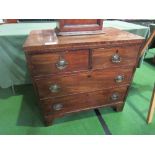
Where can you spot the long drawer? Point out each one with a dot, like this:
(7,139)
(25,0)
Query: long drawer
(59,62)
(62,85)
(114,57)
(73,103)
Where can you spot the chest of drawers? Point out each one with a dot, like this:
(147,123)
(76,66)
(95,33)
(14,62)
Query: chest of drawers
(81,72)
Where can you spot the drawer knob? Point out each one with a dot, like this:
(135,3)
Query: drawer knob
(57,107)
(115,96)
(54,88)
(119,78)
(116,58)
(61,64)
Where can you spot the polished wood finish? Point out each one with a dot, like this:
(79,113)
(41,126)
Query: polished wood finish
(82,82)
(8,21)
(77,102)
(74,73)
(152,107)
(38,39)
(81,25)
(102,57)
(46,63)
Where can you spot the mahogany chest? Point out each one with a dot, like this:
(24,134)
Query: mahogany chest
(75,73)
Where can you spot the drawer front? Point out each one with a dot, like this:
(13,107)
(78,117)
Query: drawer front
(63,85)
(73,103)
(52,63)
(113,57)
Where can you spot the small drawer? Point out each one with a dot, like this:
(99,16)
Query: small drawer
(112,57)
(60,62)
(82,82)
(74,103)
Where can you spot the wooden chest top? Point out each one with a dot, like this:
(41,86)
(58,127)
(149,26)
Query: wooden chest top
(47,40)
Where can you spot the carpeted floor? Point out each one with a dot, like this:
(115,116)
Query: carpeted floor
(133,118)
(20,115)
